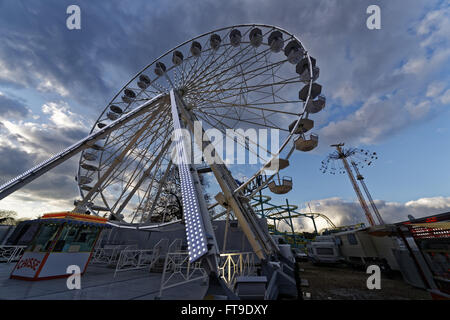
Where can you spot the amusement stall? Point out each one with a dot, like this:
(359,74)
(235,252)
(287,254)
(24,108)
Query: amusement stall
(62,239)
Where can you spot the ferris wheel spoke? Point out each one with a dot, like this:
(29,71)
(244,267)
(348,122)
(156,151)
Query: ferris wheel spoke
(158,192)
(210,99)
(228,50)
(126,166)
(222,67)
(226,133)
(120,171)
(193,75)
(102,167)
(250,122)
(245,145)
(145,150)
(114,138)
(254,88)
(116,147)
(207,105)
(157,162)
(224,70)
(240,52)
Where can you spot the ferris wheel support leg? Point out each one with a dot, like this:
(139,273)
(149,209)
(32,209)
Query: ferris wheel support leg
(261,242)
(199,231)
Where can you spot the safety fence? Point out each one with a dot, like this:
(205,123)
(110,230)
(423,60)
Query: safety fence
(178,271)
(9,254)
(142,258)
(235,264)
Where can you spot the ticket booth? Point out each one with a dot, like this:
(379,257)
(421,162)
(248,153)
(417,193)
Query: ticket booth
(62,239)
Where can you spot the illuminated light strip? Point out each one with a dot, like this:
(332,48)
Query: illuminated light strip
(195,230)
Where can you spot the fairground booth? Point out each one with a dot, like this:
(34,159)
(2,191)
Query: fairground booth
(62,239)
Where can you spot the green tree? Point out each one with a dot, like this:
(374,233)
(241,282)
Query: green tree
(7,217)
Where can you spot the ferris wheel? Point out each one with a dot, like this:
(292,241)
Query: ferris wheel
(244,76)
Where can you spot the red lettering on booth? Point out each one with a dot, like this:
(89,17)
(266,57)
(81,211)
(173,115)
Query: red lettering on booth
(31,263)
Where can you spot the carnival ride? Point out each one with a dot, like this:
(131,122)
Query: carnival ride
(357,157)
(251,75)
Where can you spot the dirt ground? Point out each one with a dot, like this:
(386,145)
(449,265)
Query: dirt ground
(344,283)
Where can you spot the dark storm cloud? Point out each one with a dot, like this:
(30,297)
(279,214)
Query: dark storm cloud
(13,160)
(117,39)
(11,108)
(58,183)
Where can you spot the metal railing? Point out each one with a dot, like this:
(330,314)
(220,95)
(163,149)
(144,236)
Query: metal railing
(133,259)
(136,259)
(110,254)
(178,271)
(175,246)
(11,253)
(235,264)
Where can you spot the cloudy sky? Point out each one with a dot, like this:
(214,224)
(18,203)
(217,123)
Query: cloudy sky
(388,90)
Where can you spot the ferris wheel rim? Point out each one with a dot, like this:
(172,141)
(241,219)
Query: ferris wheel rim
(186,42)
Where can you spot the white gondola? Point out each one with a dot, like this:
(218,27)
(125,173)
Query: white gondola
(317,105)
(282,187)
(116,109)
(160,68)
(276,41)
(294,52)
(97,147)
(235,37)
(304,126)
(112,115)
(256,37)
(177,58)
(302,69)
(144,78)
(144,81)
(86,188)
(88,167)
(303,144)
(277,164)
(84,180)
(306,77)
(100,208)
(128,96)
(142,85)
(316,89)
(90,155)
(303,65)
(196,49)
(214,41)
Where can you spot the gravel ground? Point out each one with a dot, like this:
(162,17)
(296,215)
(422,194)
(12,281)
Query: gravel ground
(344,283)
